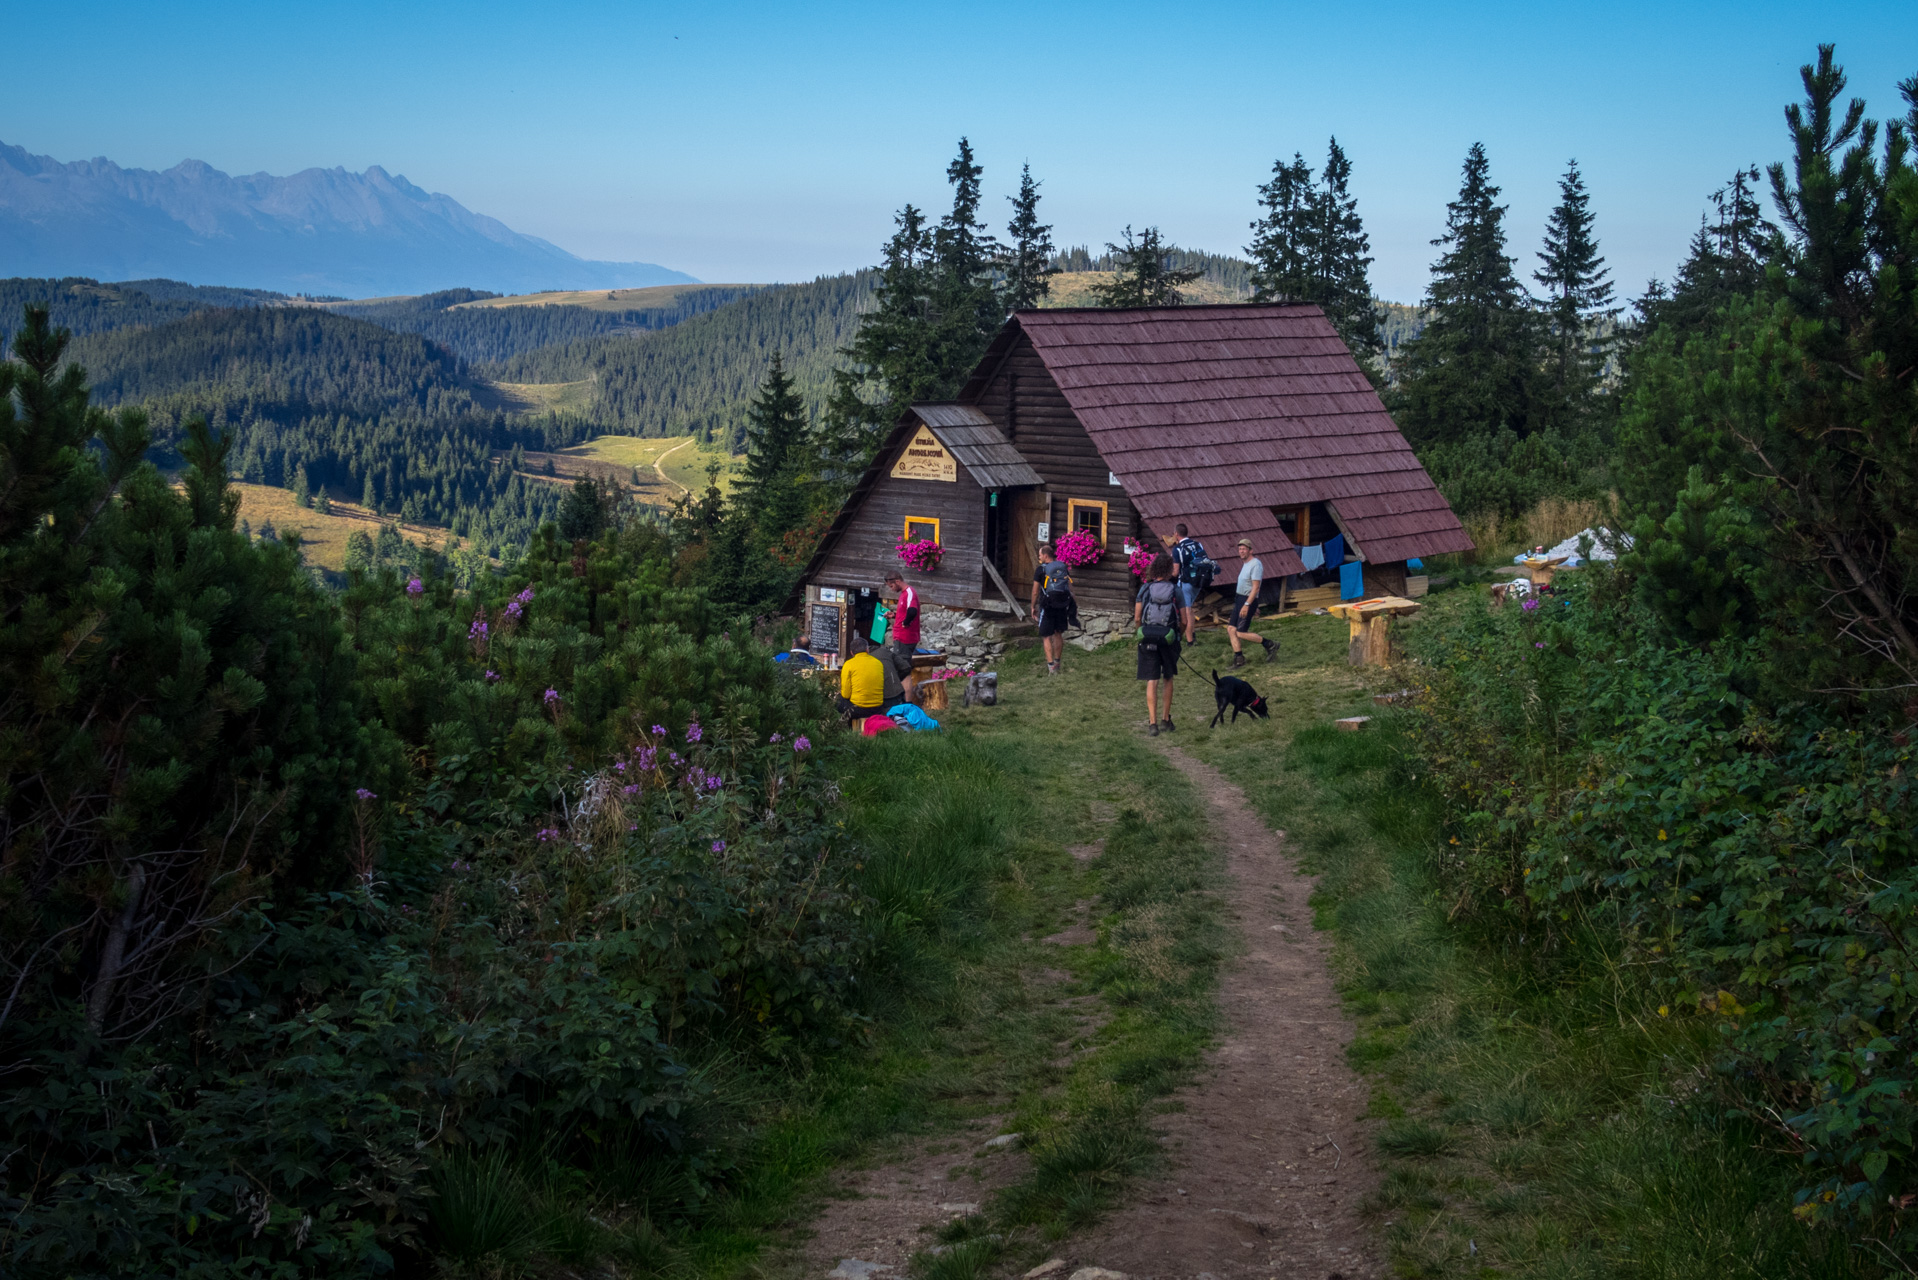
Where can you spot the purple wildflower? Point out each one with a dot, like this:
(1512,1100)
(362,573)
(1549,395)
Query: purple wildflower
(659,731)
(714,782)
(694,733)
(631,790)
(619,766)
(648,758)
(548,833)
(514,609)
(492,675)
(802,743)
(1538,644)
(774,738)
(364,794)
(415,587)
(524,598)
(461,866)
(673,756)
(1529,604)
(477,630)
(552,696)
(719,846)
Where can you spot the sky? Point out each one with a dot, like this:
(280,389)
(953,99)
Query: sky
(774,142)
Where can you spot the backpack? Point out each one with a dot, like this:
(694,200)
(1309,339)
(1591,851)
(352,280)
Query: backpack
(1159,619)
(1056,592)
(1195,566)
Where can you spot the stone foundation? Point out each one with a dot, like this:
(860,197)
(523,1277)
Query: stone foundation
(978,638)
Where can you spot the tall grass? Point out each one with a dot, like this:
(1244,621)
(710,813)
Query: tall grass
(1499,538)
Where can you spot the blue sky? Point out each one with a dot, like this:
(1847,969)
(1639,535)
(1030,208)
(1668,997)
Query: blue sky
(763,142)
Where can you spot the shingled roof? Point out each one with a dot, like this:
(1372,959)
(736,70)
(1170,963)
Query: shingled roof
(1214,415)
(979,446)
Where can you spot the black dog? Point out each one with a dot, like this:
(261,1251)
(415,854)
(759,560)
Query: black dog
(1239,696)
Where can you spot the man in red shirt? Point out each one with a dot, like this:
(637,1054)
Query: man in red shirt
(902,638)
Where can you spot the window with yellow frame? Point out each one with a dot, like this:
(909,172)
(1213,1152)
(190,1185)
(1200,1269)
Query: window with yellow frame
(1082,513)
(921,529)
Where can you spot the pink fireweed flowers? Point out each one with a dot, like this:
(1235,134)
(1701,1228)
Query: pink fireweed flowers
(492,675)
(694,733)
(552,696)
(415,588)
(719,846)
(1529,605)
(547,834)
(802,743)
(478,630)
(363,794)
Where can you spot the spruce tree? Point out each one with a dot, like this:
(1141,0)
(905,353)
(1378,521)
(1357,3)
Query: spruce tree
(1145,276)
(1028,260)
(1578,296)
(1343,285)
(1470,371)
(1726,260)
(938,308)
(774,491)
(1283,248)
(1311,246)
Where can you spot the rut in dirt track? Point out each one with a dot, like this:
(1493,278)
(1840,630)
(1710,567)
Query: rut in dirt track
(1268,1162)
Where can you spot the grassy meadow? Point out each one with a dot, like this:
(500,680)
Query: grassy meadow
(1074,289)
(661,470)
(323,537)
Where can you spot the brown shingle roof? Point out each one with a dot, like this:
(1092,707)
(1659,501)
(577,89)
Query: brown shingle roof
(979,445)
(1215,415)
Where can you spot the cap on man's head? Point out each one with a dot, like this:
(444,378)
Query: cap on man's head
(1245,542)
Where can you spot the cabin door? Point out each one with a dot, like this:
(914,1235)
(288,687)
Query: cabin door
(1030,508)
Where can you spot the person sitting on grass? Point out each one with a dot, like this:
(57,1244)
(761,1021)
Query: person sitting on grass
(1161,615)
(867,686)
(1245,606)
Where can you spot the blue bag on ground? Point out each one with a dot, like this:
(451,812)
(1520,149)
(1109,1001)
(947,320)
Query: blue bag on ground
(911,717)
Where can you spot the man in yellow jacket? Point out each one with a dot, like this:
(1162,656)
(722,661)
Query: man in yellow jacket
(867,686)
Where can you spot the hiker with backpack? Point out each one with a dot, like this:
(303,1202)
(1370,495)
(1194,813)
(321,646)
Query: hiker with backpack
(1162,617)
(1194,566)
(1053,605)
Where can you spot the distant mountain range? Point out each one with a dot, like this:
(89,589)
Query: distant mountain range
(319,231)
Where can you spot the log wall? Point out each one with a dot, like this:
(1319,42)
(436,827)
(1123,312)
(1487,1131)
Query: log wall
(867,549)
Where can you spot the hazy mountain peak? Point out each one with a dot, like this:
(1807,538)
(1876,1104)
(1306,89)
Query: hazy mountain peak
(328,231)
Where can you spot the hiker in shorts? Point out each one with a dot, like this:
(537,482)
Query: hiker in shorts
(1162,617)
(1052,605)
(902,636)
(1193,566)
(1245,606)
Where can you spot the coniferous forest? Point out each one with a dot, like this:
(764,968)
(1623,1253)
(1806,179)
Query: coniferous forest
(324,902)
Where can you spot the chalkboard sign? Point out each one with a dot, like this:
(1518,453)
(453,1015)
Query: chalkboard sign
(824,636)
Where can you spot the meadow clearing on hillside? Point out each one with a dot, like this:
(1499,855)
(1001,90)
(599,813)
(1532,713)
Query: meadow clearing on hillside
(543,397)
(323,537)
(1074,289)
(659,295)
(661,469)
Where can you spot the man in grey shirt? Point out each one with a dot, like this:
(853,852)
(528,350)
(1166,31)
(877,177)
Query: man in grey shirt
(1245,606)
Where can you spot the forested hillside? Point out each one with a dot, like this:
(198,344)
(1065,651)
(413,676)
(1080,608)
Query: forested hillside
(491,334)
(697,377)
(314,400)
(83,306)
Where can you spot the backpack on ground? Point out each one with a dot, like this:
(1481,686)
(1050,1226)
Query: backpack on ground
(1159,618)
(1056,591)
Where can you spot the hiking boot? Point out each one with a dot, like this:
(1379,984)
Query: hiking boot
(1238,660)
(1271,650)
(1152,731)
(1052,668)
(1167,724)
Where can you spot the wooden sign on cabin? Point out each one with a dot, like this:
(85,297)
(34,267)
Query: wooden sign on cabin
(924,458)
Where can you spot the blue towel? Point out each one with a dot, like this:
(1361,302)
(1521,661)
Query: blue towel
(1312,556)
(1335,549)
(1352,580)
(908,716)
(1415,564)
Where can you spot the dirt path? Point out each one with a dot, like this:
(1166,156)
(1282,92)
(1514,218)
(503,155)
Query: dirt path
(1268,1163)
(659,465)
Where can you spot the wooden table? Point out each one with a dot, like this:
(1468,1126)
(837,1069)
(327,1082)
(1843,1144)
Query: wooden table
(1540,570)
(1370,620)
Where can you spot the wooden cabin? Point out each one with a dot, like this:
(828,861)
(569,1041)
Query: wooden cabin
(1246,420)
